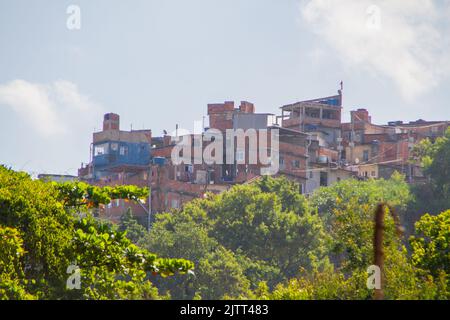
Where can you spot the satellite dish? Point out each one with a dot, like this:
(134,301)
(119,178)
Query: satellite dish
(357,160)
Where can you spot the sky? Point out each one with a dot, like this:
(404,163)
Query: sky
(158,63)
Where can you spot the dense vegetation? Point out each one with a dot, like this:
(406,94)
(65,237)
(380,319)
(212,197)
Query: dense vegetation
(45,228)
(257,241)
(267,241)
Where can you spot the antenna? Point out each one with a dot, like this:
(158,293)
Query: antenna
(340,92)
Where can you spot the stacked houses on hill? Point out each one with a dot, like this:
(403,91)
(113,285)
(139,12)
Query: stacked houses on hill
(314,147)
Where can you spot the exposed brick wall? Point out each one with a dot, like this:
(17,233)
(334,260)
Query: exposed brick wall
(360,115)
(247,107)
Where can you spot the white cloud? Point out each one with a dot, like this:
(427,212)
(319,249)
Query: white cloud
(49,109)
(405,41)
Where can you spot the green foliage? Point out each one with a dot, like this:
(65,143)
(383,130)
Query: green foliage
(114,268)
(439,168)
(257,271)
(253,221)
(348,210)
(434,195)
(259,241)
(11,268)
(263,240)
(220,274)
(431,245)
(12,250)
(394,192)
(32,207)
(182,234)
(423,153)
(287,191)
(134,230)
(40,238)
(75,194)
(266,241)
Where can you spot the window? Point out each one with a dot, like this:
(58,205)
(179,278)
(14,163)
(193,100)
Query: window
(101,149)
(366,155)
(123,151)
(296,164)
(114,146)
(373,174)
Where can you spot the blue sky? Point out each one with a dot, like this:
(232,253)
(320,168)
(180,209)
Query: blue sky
(158,63)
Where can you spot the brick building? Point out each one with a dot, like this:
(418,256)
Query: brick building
(376,151)
(314,148)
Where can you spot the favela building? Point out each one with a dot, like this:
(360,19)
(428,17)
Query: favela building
(314,147)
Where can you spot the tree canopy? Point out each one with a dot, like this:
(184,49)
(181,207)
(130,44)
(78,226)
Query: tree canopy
(262,240)
(42,234)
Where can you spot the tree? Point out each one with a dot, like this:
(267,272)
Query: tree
(431,245)
(134,230)
(12,284)
(220,274)
(287,191)
(114,268)
(40,222)
(253,221)
(264,237)
(182,233)
(348,208)
(434,195)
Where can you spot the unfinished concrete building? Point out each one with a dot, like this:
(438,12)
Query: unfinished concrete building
(321,117)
